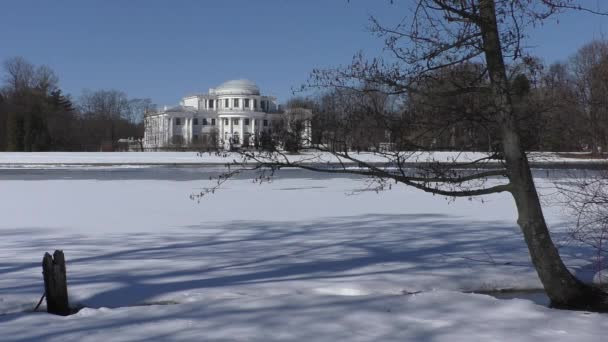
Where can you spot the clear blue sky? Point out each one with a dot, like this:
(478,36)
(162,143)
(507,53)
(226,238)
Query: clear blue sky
(167,49)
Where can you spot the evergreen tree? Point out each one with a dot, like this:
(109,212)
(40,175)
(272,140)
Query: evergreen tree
(60,102)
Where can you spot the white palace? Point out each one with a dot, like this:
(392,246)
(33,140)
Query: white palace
(234,114)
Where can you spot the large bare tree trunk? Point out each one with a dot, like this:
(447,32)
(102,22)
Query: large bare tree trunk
(561,286)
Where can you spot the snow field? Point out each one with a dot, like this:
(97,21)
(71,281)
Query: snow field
(301,258)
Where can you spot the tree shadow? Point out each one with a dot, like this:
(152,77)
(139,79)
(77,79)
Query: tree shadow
(241,254)
(224,264)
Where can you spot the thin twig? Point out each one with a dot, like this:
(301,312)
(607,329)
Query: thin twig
(40,301)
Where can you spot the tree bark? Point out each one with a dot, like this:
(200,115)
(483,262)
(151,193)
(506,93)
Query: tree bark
(55,283)
(561,286)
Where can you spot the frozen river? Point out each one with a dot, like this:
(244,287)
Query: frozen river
(260,261)
(192,173)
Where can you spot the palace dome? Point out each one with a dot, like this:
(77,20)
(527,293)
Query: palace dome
(237,87)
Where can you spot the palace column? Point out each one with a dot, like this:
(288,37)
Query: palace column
(162,129)
(253,135)
(242,133)
(171,122)
(189,130)
(231,128)
(221,129)
(184,130)
(165,127)
(224,129)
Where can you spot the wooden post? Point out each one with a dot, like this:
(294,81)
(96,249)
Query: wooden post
(55,283)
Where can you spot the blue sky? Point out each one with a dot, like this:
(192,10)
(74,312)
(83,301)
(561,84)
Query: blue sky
(167,49)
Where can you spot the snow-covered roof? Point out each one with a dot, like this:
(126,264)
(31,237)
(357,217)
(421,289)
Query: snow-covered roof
(179,109)
(237,87)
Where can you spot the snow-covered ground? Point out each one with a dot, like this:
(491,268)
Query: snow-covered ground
(58,159)
(301,258)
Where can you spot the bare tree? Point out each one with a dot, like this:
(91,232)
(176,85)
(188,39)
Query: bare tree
(21,75)
(565,125)
(36,116)
(109,112)
(590,68)
(29,92)
(356,119)
(586,199)
(296,124)
(443,117)
(45,80)
(442,34)
(137,108)
(109,104)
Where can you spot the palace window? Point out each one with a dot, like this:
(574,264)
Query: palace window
(236,103)
(246,122)
(210,103)
(195,121)
(178,121)
(246,103)
(204,121)
(226,123)
(195,138)
(255,103)
(226,103)
(235,121)
(265,123)
(212,122)
(263,105)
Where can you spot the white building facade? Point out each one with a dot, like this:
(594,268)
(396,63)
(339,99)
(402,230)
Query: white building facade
(233,115)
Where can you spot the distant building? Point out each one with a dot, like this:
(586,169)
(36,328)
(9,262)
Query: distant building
(129,145)
(233,115)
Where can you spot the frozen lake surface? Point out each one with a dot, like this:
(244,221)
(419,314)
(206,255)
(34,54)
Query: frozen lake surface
(306,257)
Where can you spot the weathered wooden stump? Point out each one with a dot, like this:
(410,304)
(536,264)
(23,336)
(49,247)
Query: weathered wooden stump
(55,283)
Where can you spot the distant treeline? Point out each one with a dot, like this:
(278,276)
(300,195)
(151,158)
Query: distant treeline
(35,115)
(561,107)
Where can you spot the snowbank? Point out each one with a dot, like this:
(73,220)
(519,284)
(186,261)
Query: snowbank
(435,316)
